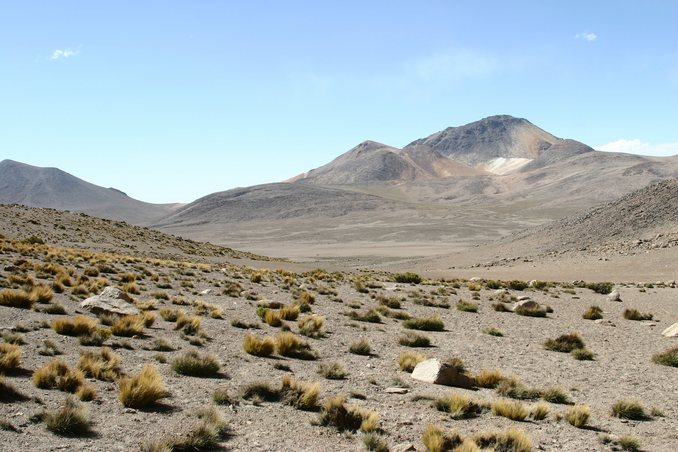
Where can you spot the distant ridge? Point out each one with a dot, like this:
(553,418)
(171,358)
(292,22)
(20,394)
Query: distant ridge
(51,187)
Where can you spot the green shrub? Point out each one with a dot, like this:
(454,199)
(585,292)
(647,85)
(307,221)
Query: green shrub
(407,278)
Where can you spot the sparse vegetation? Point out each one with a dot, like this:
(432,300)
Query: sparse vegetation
(412,339)
(488,378)
(311,325)
(564,343)
(512,440)
(258,346)
(408,360)
(582,354)
(143,389)
(407,278)
(290,345)
(71,419)
(435,440)
(467,306)
(128,326)
(667,358)
(344,417)
(634,314)
(303,396)
(424,324)
(79,325)
(493,331)
(360,347)
(539,411)
(9,357)
(332,371)
(555,395)
(593,313)
(15,299)
(511,409)
(458,405)
(531,311)
(578,415)
(629,409)
(103,365)
(195,364)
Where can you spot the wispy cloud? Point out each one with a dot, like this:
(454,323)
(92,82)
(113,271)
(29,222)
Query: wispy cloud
(638,147)
(586,36)
(63,53)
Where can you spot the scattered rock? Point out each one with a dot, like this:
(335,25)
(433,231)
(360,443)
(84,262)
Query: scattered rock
(501,292)
(614,296)
(434,371)
(605,322)
(527,304)
(110,301)
(671,331)
(205,292)
(523,298)
(395,390)
(404,447)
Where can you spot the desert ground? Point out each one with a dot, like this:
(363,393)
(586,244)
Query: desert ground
(243,391)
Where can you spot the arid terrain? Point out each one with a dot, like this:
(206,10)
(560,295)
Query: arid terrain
(347,336)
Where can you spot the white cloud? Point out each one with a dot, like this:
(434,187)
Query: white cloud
(638,147)
(64,53)
(587,36)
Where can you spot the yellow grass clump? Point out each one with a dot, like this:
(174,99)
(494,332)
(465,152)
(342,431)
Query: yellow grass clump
(143,389)
(9,357)
(258,346)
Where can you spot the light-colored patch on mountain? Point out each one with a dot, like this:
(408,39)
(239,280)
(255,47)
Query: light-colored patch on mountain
(503,165)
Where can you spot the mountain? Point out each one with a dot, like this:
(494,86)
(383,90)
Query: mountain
(372,162)
(458,187)
(51,187)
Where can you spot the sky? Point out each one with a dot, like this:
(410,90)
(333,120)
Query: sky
(169,101)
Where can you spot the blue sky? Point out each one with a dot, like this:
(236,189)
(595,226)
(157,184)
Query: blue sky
(172,100)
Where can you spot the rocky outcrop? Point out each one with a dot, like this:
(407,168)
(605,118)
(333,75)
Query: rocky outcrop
(436,372)
(110,301)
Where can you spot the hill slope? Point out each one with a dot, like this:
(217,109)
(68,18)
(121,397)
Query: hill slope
(51,187)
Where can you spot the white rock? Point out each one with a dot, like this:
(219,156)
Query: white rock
(111,301)
(614,295)
(605,322)
(434,371)
(671,331)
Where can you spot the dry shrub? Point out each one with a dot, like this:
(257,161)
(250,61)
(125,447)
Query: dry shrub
(360,347)
(79,325)
(311,325)
(634,314)
(593,313)
(96,338)
(188,324)
(332,371)
(458,405)
(171,315)
(272,318)
(9,357)
(512,440)
(143,389)
(667,358)
(488,378)
(72,419)
(408,360)
(57,375)
(435,440)
(128,325)
(41,294)
(303,396)
(194,364)
(539,411)
(15,299)
(555,395)
(289,312)
(629,409)
(424,324)
(578,415)
(511,387)
(259,391)
(290,345)
(564,343)
(103,365)
(258,346)
(510,409)
(412,339)
(206,435)
(344,417)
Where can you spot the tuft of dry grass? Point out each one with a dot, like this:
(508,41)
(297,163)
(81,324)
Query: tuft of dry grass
(593,313)
(467,306)
(634,314)
(510,387)
(79,325)
(667,358)
(531,311)
(71,419)
(539,411)
(629,409)
(360,347)
(171,315)
(459,406)
(41,294)
(582,354)
(188,324)
(16,299)
(194,364)
(512,439)
(258,346)
(488,378)
(337,414)
(290,345)
(493,331)
(103,365)
(57,375)
(311,325)
(332,371)
(435,440)
(303,396)
(128,326)
(555,395)
(259,391)
(564,343)
(511,409)
(205,435)
(10,356)
(578,415)
(424,324)
(408,360)
(143,389)
(413,339)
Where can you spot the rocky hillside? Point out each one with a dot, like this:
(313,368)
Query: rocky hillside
(648,214)
(51,187)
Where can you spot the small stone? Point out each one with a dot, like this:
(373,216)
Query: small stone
(614,296)
(404,447)
(205,292)
(527,304)
(129,411)
(605,322)
(523,298)
(395,390)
